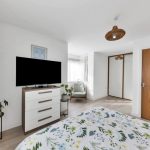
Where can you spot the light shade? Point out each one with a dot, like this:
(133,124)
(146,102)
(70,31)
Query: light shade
(115,34)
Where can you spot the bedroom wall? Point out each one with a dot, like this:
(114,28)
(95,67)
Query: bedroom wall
(14,42)
(100,75)
(137,70)
(90,82)
(97,75)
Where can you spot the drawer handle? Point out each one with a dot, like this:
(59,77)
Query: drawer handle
(45,92)
(44,118)
(45,101)
(45,109)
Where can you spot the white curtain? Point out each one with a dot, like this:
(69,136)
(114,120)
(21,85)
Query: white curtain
(77,70)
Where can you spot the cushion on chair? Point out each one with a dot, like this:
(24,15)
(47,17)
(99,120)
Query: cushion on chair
(78,87)
(79,94)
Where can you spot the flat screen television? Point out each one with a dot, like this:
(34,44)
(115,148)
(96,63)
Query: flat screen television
(36,72)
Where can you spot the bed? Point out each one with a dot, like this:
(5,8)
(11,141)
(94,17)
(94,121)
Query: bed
(96,129)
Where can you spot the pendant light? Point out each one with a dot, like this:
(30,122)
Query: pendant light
(116,33)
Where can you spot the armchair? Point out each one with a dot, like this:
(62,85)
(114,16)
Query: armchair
(79,90)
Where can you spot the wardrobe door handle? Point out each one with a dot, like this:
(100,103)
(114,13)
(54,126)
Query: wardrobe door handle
(45,109)
(44,118)
(44,92)
(45,101)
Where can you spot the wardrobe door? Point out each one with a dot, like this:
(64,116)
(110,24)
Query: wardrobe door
(128,79)
(115,76)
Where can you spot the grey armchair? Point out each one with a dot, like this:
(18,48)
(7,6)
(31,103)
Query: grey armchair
(79,90)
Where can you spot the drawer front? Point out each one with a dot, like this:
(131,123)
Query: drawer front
(34,104)
(38,117)
(40,113)
(48,119)
(42,94)
(31,124)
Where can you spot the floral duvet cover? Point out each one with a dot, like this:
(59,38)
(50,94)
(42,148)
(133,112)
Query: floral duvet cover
(95,129)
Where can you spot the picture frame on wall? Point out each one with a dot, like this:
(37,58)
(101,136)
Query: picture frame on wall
(38,52)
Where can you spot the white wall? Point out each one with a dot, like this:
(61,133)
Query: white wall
(137,70)
(14,42)
(100,75)
(97,75)
(90,83)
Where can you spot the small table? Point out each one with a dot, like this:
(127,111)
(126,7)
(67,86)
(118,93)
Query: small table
(65,101)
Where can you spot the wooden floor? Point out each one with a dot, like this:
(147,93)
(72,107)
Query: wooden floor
(13,137)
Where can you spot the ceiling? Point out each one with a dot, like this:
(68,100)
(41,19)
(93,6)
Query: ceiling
(82,23)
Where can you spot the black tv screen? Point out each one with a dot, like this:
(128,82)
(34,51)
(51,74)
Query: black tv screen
(34,72)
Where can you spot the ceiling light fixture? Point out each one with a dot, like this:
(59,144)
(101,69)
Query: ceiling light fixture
(119,57)
(115,33)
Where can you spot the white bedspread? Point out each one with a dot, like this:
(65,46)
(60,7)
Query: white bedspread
(96,129)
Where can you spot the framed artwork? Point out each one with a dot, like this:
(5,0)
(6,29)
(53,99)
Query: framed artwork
(38,52)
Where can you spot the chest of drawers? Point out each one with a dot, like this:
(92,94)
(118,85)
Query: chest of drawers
(40,107)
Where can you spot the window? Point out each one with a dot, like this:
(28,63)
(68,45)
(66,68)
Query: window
(77,70)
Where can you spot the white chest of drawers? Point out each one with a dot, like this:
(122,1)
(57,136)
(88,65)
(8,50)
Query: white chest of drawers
(39,107)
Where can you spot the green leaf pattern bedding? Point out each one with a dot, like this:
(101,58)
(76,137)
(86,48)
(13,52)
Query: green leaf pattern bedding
(96,129)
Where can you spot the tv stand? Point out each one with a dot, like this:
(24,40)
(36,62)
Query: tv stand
(41,86)
(40,107)
(46,86)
